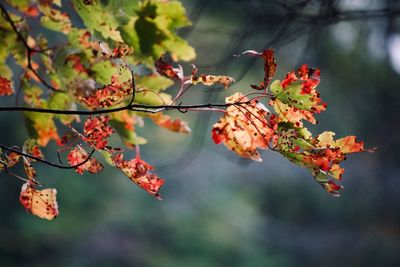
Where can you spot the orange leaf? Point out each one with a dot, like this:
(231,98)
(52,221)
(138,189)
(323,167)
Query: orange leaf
(244,127)
(79,155)
(167,122)
(41,203)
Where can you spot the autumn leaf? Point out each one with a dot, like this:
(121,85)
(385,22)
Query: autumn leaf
(138,172)
(269,66)
(244,127)
(41,203)
(5,87)
(166,68)
(31,147)
(79,155)
(296,97)
(165,121)
(7,160)
(96,131)
(107,96)
(321,155)
(209,80)
(54,19)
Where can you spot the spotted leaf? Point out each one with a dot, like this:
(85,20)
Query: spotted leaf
(5,87)
(79,155)
(138,172)
(244,127)
(41,203)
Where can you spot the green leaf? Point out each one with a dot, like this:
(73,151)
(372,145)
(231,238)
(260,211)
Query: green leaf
(292,95)
(154,82)
(103,70)
(61,101)
(152,98)
(153,32)
(98,18)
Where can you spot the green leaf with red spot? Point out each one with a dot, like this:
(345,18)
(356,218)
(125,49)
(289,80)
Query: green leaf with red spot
(98,18)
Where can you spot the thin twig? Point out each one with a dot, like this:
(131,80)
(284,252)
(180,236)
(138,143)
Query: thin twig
(45,161)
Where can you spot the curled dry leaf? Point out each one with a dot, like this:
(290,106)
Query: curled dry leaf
(41,203)
(79,155)
(165,68)
(244,127)
(138,172)
(269,67)
(209,80)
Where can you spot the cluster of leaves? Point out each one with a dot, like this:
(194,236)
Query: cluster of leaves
(114,71)
(246,127)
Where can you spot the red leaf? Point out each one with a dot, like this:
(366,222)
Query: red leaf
(96,131)
(165,68)
(78,155)
(106,96)
(5,87)
(269,67)
(138,172)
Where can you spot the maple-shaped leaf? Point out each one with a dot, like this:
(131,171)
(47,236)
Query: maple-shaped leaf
(269,67)
(346,145)
(96,131)
(151,31)
(244,127)
(98,18)
(138,172)
(296,97)
(5,87)
(165,121)
(321,155)
(41,203)
(79,155)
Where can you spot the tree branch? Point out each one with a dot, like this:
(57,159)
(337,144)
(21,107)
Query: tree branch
(133,107)
(45,161)
(29,50)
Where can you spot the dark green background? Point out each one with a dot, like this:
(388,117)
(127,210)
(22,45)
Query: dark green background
(219,209)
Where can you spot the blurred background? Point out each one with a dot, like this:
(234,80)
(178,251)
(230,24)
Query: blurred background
(219,209)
